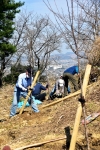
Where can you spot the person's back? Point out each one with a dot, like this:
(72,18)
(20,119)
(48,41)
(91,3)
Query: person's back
(69,75)
(38,88)
(72,70)
(37,91)
(60,82)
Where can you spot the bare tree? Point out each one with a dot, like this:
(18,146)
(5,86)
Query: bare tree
(36,37)
(41,39)
(79,26)
(18,37)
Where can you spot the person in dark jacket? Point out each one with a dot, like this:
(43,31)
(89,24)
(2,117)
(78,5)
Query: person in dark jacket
(37,91)
(69,75)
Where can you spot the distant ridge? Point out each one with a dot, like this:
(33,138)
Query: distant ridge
(66,56)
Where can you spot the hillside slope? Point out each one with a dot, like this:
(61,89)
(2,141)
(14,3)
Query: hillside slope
(50,123)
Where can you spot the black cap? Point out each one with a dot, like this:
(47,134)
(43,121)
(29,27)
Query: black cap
(29,70)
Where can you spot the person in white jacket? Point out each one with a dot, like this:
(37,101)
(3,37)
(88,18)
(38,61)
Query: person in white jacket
(21,89)
(58,89)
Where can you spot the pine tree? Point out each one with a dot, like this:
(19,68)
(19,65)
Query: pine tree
(8,11)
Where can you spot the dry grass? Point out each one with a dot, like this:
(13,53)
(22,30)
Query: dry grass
(94,55)
(49,123)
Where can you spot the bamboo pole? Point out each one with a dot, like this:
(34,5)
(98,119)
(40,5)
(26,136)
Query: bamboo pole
(39,144)
(64,98)
(29,93)
(79,109)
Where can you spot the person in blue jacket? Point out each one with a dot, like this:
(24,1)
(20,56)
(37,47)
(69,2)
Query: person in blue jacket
(69,75)
(21,89)
(37,91)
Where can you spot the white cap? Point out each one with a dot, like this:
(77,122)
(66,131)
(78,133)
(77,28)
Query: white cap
(61,82)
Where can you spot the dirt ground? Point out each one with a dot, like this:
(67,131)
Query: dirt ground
(51,123)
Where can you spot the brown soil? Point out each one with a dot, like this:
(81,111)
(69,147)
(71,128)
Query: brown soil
(50,123)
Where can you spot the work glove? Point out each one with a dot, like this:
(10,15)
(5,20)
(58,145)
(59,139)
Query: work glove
(24,89)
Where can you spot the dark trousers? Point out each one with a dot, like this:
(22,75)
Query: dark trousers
(73,79)
(40,97)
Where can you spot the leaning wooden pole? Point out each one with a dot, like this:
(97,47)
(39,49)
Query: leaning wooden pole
(29,93)
(79,109)
(64,98)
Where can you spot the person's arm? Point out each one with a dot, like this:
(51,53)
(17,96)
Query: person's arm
(19,83)
(43,87)
(57,90)
(62,91)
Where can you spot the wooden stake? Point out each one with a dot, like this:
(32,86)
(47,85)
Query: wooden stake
(39,144)
(79,109)
(64,98)
(29,93)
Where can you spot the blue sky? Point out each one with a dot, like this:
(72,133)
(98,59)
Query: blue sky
(38,7)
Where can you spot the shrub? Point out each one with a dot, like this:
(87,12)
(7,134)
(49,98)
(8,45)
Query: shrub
(94,55)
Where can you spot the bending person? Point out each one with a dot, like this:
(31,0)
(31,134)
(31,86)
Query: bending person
(21,89)
(69,75)
(37,91)
(58,90)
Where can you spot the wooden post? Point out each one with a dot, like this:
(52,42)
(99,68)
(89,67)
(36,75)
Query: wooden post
(79,109)
(39,144)
(29,93)
(62,99)
(65,98)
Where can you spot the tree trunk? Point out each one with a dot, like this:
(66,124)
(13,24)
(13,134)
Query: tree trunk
(0,82)
(2,69)
(0,79)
